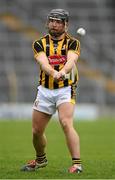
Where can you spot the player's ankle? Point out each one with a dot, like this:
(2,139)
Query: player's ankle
(76,161)
(41,158)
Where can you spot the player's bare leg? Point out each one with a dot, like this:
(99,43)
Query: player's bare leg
(72,138)
(39,123)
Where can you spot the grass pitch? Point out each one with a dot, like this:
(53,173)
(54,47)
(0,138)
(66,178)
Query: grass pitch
(97,150)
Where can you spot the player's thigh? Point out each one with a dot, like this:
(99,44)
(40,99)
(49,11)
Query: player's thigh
(39,120)
(65,112)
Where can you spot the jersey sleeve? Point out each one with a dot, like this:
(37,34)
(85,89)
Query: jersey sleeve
(74,45)
(37,47)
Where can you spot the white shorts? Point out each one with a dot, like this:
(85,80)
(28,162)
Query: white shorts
(48,100)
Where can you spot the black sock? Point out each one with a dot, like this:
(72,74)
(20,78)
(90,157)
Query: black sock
(76,161)
(41,158)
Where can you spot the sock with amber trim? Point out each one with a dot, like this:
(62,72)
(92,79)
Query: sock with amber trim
(76,161)
(41,159)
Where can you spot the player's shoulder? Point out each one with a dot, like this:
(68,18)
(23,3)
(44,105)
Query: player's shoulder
(71,38)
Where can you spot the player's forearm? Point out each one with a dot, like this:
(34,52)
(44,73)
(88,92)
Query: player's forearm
(68,66)
(47,69)
(71,61)
(44,64)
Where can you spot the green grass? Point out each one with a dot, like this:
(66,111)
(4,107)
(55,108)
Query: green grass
(97,150)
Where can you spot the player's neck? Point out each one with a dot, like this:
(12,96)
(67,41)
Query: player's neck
(59,38)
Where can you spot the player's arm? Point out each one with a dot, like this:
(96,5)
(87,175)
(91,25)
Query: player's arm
(72,57)
(42,59)
(45,66)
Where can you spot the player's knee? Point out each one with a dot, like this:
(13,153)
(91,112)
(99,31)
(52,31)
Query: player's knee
(37,131)
(65,125)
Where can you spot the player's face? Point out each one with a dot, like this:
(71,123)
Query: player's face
(56,27)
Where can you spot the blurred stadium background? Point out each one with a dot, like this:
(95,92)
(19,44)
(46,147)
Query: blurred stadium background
(21,22)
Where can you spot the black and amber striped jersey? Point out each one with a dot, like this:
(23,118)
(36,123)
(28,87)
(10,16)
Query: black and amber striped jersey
(56,52)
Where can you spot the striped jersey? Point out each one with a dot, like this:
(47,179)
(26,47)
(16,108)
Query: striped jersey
(56,52)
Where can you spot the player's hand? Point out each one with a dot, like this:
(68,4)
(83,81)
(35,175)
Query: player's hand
(56,75)
(61,75)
